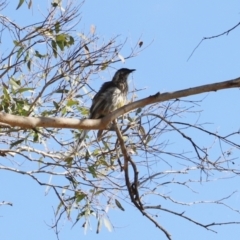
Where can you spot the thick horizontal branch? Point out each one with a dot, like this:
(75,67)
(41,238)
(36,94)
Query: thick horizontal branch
(161,97)
(32,122)
(48,122)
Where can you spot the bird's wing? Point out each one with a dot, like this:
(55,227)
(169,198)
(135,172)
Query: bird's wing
(103,99)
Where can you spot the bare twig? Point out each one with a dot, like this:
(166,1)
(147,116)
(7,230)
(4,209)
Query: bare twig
(214,36)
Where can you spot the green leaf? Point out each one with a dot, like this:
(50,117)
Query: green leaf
(54,4)
(62,90)
(142,131)
(16,143)
(39,55)
(19,4)
(61,40)
(68,211)
(81,214)
(35,137)
(72,102)
(21,107)
(92,171)
(64,110)
(20,51)
(101,161)
(58,208)
(138,111)
(56,105)
(71,40)
(16,43)
(87,155)
(6,94)
(121,58)
(60,45)
(107,224)
(99,192)
(84,111)
(29,65)
(29,4)
(149,138)
(119,205)
(104,66)
(14,84)
(69,160)
(86,48)
(61,37)
(21,90)
(54,48)
(64,40)
(57,27)
(79,196)
(26,58)
(99,226)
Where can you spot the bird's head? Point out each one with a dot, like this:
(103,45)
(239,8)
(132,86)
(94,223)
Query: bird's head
(121,75)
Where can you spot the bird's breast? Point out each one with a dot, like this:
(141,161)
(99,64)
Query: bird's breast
(119,99)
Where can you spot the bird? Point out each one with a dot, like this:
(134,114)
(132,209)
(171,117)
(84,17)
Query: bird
(112,95)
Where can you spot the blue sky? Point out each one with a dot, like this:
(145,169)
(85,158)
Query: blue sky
(172,29)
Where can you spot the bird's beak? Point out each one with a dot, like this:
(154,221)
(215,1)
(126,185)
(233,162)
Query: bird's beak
(132,70)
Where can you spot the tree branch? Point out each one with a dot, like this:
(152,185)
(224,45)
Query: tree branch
(133,188)
(32,122)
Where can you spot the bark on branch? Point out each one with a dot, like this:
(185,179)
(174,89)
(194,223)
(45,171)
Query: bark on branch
(49,122)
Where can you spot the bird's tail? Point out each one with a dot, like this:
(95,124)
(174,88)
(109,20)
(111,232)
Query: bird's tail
(81,138)
(99,135)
